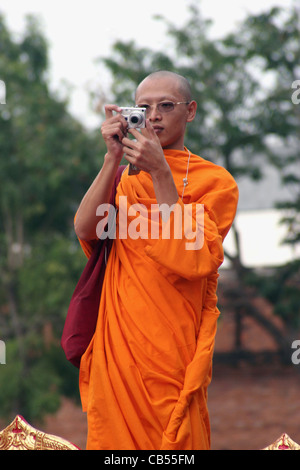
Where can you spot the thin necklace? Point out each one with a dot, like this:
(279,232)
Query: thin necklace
(185,179)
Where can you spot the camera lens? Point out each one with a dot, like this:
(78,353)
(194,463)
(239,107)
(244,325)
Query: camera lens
(136,119)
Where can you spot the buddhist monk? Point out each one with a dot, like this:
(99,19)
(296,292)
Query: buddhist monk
(144,376)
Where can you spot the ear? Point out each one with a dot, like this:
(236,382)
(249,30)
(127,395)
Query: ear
(192,109)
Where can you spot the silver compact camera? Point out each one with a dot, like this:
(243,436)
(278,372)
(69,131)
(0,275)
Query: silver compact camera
(135,117)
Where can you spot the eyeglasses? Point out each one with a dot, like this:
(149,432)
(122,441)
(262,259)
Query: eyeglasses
(163,107)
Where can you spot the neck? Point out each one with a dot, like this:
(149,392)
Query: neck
(180,148)
(177,145)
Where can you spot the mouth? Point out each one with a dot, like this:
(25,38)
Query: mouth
(158,129)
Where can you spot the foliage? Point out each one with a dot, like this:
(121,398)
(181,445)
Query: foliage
(273,38)
(246,118)
(35,389)
(47,162)
(226,129)
(281,289)
(273,42)
(242,84)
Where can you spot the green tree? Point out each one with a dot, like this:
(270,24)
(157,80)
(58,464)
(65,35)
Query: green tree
(225,129)
(47,161)
(272,41)
(242,84)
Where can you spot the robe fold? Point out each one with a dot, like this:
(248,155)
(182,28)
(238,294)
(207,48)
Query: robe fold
(144,376)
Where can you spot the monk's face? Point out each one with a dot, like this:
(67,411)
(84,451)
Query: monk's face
(170,126)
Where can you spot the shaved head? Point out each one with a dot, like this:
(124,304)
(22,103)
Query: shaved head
(182,83)
(160,88)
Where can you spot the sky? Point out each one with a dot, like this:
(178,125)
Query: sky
(80,31)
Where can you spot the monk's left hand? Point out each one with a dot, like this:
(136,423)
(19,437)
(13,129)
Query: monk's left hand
(145,152)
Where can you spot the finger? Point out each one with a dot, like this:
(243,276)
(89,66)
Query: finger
(113,129)
(109,108)
(115,125)
(149,128)
(135,133)
(129,155)
(128,142)
(112,132)
(130,148)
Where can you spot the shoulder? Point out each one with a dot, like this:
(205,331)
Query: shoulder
(210,173)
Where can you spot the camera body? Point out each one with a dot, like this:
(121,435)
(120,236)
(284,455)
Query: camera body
(135,117)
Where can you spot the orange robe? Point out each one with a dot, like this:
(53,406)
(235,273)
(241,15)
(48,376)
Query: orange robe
(144,377)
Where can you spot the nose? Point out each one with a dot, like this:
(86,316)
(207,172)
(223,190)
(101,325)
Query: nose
(153,114)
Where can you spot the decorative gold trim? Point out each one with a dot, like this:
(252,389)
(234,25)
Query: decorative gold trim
(20,435)
(283,443)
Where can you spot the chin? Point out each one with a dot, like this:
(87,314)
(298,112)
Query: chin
(171,145)
(165,143)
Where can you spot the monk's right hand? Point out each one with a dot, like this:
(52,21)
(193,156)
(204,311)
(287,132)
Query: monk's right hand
(113,130)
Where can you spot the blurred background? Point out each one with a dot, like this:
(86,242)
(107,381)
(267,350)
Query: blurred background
(58,66)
